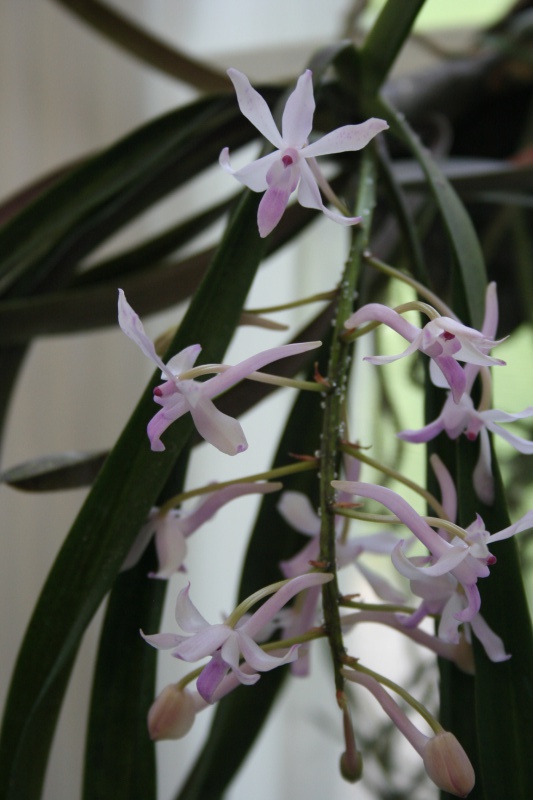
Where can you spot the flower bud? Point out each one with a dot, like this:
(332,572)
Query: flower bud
(351,768)
(447,765)
(172,714)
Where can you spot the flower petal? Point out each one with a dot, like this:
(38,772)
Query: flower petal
(261,661)
(210,678)
(270,607)
(222,431)
(184,360)
(171,547)
(174,408)
(309,196)
(298,112)
(187,615)
(255,108)
(132,326)
(202,644)
(297,511)
(345,139)
(271,209)
(253,175)
(492,644)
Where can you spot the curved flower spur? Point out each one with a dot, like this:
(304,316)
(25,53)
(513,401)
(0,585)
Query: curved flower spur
(180,393)
(293,164)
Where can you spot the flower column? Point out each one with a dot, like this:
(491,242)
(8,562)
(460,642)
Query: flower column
(338,371)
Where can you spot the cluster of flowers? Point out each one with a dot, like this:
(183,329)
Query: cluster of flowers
(445,578)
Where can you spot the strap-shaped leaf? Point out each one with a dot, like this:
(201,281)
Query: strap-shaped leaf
(128,485)
(90,203)
(384,42)
(120,758)
(503,692)
(464,244)
(55,472)
(116,765)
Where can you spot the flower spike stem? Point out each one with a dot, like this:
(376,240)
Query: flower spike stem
(334,414)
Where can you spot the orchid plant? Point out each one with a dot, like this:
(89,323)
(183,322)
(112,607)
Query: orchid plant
(439,569)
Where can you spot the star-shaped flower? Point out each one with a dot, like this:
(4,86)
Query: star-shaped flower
(445,340)
(227,644)
(465,558)
(178,396)
(292,166)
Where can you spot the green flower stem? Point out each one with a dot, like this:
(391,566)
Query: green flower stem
(338,372)
(356,452)
(314,298)
(188,678)
(390,519)
(250,602)
(260,377)
(313,633)
(419,288)
(399,690)
(271,474)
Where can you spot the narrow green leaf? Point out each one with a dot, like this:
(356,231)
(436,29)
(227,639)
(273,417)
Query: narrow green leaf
(385,40)
(54,472)
(89,204)
(503,692)
(464,244)
(126,488)
(95,306)
(120,757)
(117,765)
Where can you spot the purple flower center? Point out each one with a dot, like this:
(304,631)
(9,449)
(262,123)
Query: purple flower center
(287,160)
(447,336)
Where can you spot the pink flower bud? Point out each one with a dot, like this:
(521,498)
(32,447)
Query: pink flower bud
(172,714)
(447,765)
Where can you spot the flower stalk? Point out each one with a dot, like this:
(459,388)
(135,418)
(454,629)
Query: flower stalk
(334,414)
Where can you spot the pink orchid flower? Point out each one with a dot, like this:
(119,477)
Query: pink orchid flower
(445,340)
(463,560)
(227,644)
(172,529)
(458,417)
(293,165)
(178,396)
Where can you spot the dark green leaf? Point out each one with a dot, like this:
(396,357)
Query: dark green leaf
(384,42)
(89,204)
(504,691)
(55,472)
(464,244)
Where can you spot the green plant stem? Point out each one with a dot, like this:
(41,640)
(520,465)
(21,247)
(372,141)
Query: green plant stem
(271,474)
(338,372)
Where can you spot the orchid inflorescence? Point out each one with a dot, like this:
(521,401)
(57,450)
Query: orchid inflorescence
(441,560)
